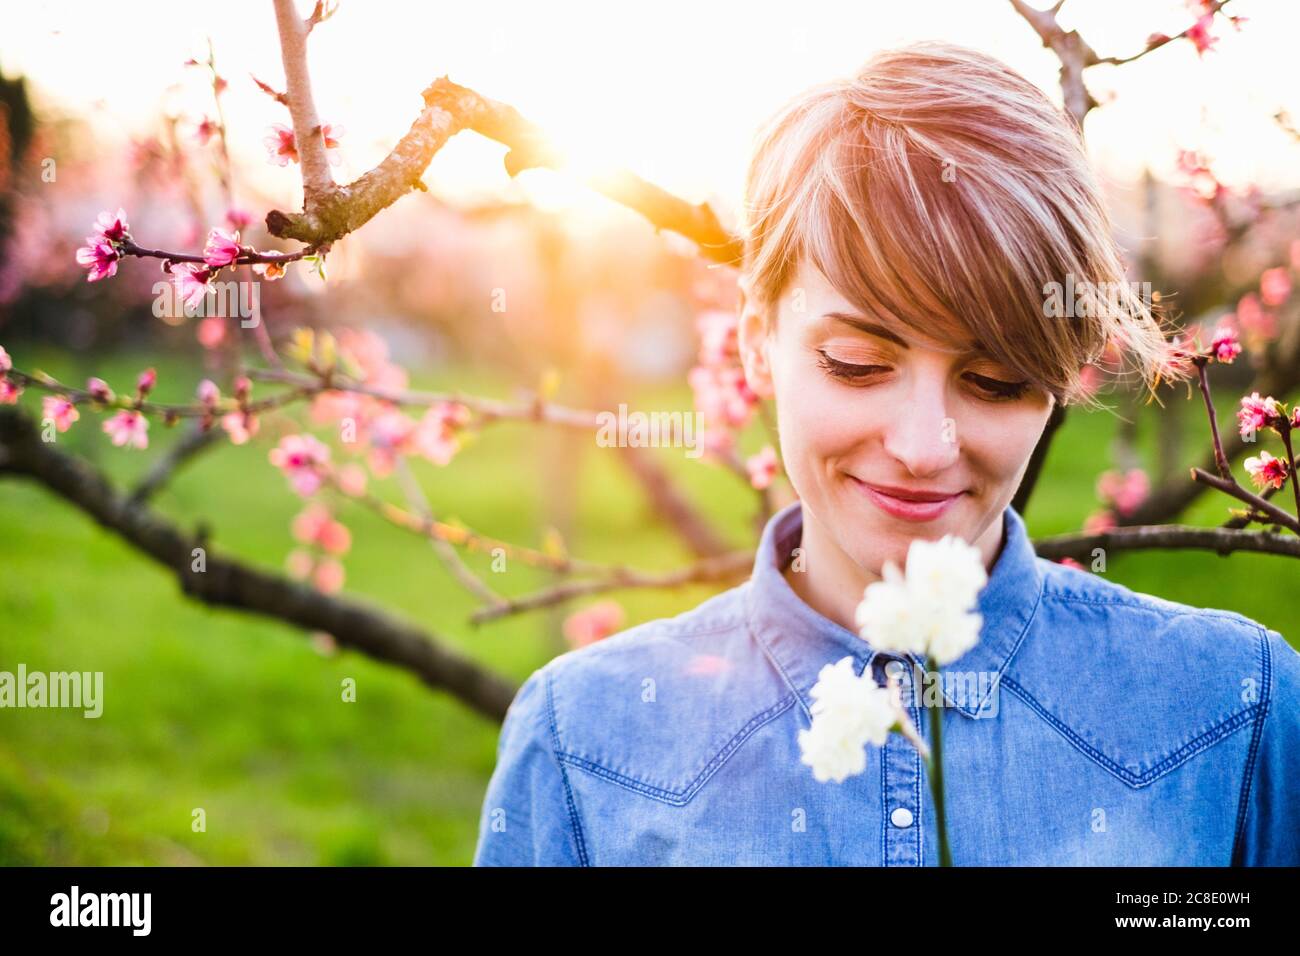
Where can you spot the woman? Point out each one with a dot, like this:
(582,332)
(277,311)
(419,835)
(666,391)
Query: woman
(902,229)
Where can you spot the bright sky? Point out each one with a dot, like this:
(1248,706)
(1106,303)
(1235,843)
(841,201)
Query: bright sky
(673,89)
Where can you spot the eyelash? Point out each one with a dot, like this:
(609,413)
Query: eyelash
(993,388)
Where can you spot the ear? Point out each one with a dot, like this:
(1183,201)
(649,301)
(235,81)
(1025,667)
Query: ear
(754,343)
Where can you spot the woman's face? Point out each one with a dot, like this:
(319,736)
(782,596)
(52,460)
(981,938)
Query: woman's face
(884,437)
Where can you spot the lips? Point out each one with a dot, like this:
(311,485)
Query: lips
(909,504)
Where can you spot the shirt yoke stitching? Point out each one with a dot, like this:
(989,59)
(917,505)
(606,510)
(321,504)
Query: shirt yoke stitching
(683,796)
(574,821)
(1239,838)
(1207,739)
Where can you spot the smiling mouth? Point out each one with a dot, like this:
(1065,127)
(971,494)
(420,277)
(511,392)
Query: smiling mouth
(908,504)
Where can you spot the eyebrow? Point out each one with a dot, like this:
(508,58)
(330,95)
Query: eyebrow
(866,325)
(875,328)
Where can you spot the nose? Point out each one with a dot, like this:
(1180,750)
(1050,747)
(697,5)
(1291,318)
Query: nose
(921,434)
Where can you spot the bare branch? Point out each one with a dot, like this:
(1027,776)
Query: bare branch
(670,504)
(316,178)
(1073,52)
(1222,541)
(419,502)
(195,441)
(726,568)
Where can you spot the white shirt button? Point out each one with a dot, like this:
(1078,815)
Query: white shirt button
(901,817)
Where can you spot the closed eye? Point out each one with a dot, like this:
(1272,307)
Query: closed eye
(848,371)
(995,387)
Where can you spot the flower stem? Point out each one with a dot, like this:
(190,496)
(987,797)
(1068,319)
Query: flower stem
(936,775)
(1285,429)
(1220,459)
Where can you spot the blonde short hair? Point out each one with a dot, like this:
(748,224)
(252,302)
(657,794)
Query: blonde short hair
(940,188)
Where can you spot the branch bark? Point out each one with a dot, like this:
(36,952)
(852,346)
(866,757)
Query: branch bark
(1222,541)
(450,108)
(317,181)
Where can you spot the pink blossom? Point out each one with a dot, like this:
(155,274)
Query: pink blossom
(594,623)
(435,438)
(280,145)
(111,227)
(6,363)
(302,459)
(1099,522)
(722,395)
(1256,413)
(204,130)
(145,382)
(1090,379)
(391,435)
(99,390)
(59,410)
(1274,286)
(238,219)
(1124,492)
(328,576)
(719,336)
(352,480)
(222,248)
(1252,318)
(1267,470)
(208,393)
(240,426)
(300,563)
(762,467)
(331,133)
(315,525)
(1199,34)
(1225,345)
(128,428)
(191,281)
(211,332)
(100,257)
(9,392)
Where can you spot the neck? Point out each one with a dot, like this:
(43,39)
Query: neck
(833,583)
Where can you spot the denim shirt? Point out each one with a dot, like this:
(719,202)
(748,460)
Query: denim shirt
(1091,725)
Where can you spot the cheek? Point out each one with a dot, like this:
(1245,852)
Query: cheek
(819,417)
(999,442)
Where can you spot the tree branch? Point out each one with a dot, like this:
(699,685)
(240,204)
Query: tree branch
(1222,541)
(226,582)
(317,181)
(450,108)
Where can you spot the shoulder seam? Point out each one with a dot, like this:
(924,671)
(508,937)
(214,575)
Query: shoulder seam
(1139,605)
(1248,778)
(574,820)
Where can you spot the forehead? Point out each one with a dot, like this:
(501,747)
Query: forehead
(812,304)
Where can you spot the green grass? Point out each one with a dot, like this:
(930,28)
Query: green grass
(244,719)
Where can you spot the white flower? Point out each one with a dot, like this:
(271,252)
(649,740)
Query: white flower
(928,611)
(849,711)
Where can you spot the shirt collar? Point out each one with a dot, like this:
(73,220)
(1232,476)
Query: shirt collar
(800,641)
